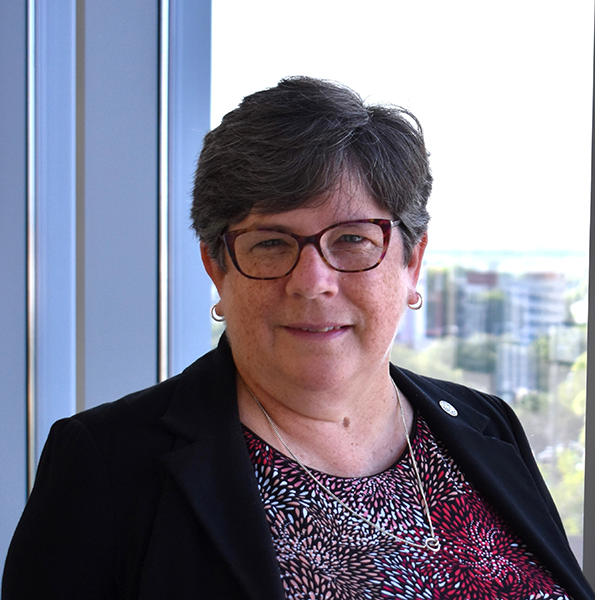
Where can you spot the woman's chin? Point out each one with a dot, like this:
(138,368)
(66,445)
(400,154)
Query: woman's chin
(318,374)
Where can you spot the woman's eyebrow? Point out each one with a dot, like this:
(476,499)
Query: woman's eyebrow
(272,226)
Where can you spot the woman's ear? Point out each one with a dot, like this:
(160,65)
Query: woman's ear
(416,260)
(212,267)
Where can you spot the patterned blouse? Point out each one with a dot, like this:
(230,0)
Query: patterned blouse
(326,553)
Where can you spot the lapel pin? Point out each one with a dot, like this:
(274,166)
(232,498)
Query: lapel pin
(448,408)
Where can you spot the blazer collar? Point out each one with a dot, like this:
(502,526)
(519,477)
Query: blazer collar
(212,466)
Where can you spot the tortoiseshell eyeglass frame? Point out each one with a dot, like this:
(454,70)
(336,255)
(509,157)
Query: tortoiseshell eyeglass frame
(386,225)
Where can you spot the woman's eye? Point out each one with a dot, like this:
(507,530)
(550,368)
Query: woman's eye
(270,243)
(350,241)
(351,238)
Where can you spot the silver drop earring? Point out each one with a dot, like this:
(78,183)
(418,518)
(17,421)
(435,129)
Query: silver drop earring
(216,317)
(418,303)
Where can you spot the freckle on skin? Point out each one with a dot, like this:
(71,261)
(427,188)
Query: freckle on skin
(346,422)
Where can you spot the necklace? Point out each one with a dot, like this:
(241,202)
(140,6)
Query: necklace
(430,543)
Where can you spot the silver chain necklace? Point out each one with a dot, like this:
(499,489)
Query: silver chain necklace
(430,543)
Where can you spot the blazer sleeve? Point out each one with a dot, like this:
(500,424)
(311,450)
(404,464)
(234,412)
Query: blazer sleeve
(64,545)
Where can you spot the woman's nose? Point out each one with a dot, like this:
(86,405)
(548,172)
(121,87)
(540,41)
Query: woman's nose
(311,276)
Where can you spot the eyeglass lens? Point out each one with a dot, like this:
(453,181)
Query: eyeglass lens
(348,247)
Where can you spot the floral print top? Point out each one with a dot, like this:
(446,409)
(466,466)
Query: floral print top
(326,553)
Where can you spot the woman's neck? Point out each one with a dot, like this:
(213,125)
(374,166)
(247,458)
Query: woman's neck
(353,434)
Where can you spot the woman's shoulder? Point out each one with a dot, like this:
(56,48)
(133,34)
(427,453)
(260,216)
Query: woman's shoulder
(436,387)
(150,419)
(145,408)
(118,437)
(487,411)
(142,408)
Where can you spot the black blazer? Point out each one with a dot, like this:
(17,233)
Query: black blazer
(154,497)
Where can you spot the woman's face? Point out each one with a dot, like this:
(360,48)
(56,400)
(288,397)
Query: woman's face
(316,328)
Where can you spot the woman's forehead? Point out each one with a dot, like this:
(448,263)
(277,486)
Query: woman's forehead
(339,205)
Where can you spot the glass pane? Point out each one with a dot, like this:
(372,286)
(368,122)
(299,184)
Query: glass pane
(504,92)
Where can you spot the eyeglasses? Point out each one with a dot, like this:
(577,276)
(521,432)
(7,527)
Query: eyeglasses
(348,247)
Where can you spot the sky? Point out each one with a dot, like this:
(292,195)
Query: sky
(503,91)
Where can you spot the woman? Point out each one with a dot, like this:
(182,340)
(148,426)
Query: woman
(294,461)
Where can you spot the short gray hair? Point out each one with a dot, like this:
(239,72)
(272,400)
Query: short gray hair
(286,145)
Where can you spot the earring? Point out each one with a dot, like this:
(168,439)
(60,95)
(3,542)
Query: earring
(418,303)
(216,317)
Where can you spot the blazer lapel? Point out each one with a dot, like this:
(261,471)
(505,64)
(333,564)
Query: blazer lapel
(211,465)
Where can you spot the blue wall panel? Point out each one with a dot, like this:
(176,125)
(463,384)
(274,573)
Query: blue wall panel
(13,359)
(120,203)
(55,215)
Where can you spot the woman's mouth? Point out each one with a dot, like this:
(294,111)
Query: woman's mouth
(320,329)
(317,331)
